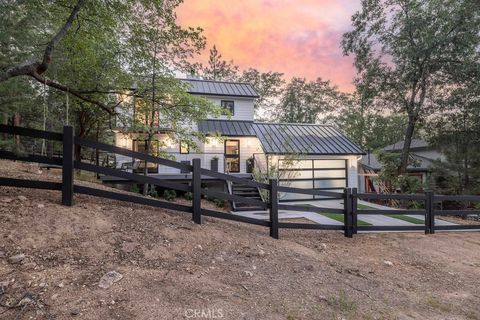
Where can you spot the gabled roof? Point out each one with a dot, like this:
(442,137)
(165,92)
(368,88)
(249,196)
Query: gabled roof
(286,138)
(415,144)
(220,88)
(232,128)
(307,139)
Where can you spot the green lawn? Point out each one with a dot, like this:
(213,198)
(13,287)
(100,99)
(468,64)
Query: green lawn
(336,216)
(396,216)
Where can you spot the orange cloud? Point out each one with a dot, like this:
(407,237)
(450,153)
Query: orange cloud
(297,37)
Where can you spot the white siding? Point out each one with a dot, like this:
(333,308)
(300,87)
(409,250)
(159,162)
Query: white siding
(244,108)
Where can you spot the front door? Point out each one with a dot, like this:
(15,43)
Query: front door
(232,155)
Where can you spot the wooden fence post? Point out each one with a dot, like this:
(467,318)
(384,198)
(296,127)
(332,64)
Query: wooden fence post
(273,208)
(347,218)
(354,211)
(67,166)
(196,190)
(431,211)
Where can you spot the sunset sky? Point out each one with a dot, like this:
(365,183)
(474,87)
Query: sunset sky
(297,37)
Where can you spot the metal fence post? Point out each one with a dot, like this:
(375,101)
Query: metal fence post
(196,190)
(354,211)
(67,166)
(273,208)
(347,206)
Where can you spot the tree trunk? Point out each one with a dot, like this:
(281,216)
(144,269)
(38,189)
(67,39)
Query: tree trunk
(16,123)
(402,169)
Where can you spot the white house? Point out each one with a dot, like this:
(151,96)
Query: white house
(324,158)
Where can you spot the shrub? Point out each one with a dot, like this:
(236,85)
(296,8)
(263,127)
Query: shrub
(135,189)
(153,192)
(188,195)
(169,195)
(219,203)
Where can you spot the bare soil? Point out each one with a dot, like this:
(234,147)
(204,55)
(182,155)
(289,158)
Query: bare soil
(173,269)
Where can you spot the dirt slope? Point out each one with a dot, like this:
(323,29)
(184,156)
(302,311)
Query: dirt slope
(173,269)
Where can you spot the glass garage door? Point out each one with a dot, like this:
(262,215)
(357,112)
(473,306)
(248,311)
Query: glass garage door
(329,175)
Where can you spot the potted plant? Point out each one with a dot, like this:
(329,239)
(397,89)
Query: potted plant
(250,165)
(214,164)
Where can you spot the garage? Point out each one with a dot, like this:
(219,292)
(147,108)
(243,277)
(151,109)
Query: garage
(320,174)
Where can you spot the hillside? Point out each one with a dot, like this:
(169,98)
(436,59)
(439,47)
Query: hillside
(53,257)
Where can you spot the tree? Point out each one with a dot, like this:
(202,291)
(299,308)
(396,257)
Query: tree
(219,69)
(268,85)
(405,50)
(308,101)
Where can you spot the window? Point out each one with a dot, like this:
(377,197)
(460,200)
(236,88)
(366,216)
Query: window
(184,147)
(228,106)
(232,155)
(141,146)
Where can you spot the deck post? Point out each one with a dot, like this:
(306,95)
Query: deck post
(347,218)
(354,211)
(273,208)
(67,166)
(196,190)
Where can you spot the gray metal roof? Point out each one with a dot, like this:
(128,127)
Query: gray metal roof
(310,139)
(232,128)
(220,88)
(421,163)
(415,144)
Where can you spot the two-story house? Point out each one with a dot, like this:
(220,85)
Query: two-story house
(323,157)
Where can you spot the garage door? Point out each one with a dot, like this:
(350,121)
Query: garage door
(330,175)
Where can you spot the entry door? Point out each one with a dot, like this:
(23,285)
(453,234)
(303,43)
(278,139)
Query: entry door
(232,155)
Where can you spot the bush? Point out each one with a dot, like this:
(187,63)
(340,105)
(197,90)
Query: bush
(219,203)
(188,195)
(169,195)
(135,189)
(153,192)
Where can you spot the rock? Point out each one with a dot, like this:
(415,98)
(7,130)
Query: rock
(2,254)
(22,198)
(388,263)
(219,259)
(129,247)
(60,285)
(75,312)
(16,258)
(322,298)
(261,253)
(200,247)
(323,246)
(54,296)
(40,206)
(25,301)
(7,200)
(109,279)
(248,273)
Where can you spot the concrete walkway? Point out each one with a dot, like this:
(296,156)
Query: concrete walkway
(373,219)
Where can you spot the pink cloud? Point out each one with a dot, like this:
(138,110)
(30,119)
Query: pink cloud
(299,38)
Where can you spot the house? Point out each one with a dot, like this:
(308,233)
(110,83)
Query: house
(422,155)
(304,155)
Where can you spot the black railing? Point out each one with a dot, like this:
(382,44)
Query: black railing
(350,197)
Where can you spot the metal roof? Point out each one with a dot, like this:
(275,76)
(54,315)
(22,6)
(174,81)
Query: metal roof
(309,139)
(415,144)
(220,88)
(286,138)
(232,128)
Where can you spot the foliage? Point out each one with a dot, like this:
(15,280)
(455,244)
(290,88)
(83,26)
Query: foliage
(219,69)
(169,195)
(220,203)
(389,174)
(188,195)
(406,51)
(152,192)
(134,188)
(308,101)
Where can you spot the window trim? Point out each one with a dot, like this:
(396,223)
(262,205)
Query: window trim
(232,111)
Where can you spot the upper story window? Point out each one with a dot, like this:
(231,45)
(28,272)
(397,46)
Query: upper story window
(184,147)
(228,105)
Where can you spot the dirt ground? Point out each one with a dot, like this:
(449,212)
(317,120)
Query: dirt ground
(173,269)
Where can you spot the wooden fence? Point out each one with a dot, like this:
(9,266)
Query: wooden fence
(350,197)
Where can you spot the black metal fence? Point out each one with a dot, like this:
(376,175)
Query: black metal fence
(350,197)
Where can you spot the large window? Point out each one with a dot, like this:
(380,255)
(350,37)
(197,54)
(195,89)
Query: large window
(232,155)
(229,106)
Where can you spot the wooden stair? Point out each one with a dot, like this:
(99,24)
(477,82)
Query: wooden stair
(246,192)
